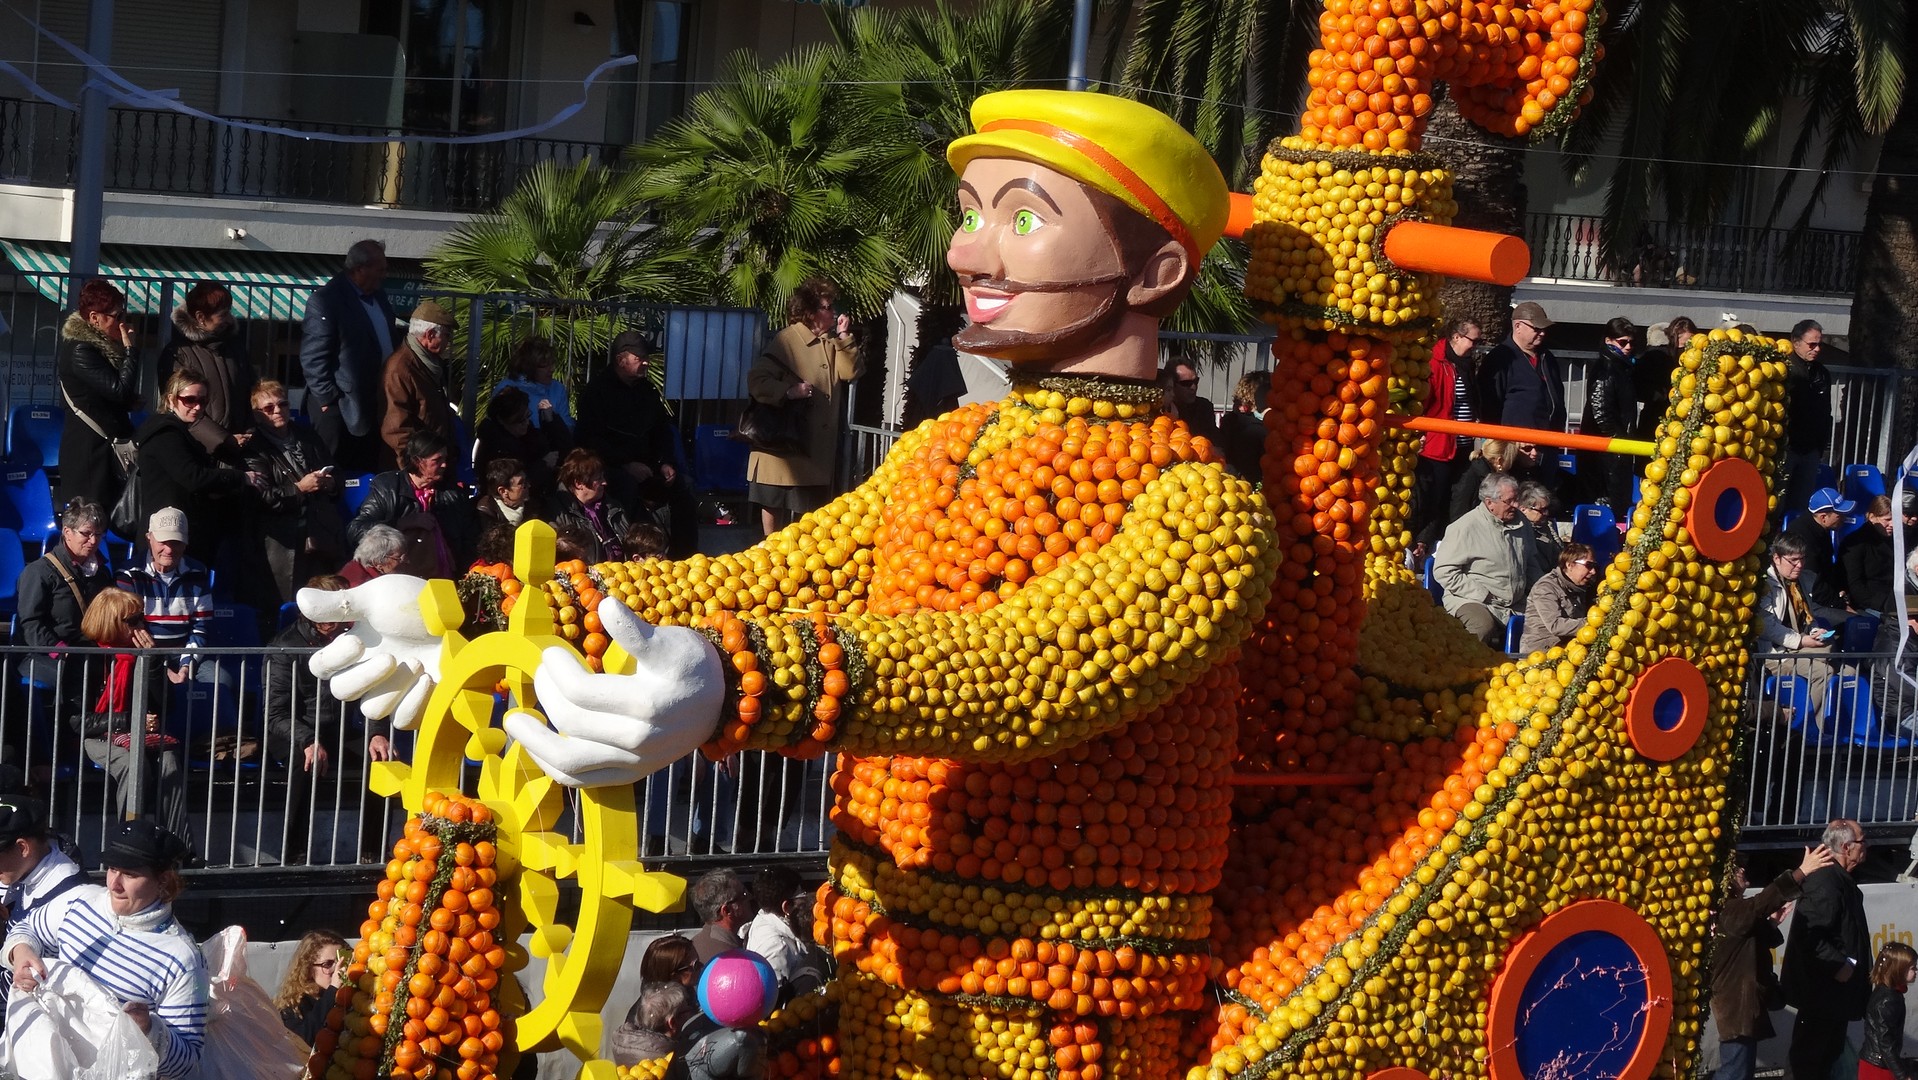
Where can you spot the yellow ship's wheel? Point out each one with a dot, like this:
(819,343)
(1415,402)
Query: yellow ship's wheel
(582,959)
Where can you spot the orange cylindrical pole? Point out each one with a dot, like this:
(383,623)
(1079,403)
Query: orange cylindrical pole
(1521,434)
(1461,253)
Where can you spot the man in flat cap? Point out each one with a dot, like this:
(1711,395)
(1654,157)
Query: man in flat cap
(415,382)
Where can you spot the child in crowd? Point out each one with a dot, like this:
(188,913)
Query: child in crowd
(1882,1057)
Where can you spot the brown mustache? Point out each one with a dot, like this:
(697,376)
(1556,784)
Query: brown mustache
(1007,285)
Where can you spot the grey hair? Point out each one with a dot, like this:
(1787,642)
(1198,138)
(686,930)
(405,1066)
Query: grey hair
(1532,492)
(80,512)
(712,890)
(1840,832)
(363,253)
(416,327)
(1494,483)
(1787,545)
(663,1002)
(381,542)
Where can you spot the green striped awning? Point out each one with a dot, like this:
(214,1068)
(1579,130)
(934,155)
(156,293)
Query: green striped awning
(265,284)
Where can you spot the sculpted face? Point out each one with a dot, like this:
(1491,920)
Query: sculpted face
(1044,274)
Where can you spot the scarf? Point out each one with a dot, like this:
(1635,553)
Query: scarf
(432,362)
(116,694)
(146,922)
(509,515)
(610,545)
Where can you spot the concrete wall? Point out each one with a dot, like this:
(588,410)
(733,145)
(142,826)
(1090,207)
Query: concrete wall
(560,52)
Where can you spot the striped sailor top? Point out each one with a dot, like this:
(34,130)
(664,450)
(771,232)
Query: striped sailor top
(146,957)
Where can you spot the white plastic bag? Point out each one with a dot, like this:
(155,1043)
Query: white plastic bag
(245,1039)
(71,1028)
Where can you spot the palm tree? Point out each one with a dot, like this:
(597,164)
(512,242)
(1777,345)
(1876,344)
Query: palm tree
(569,246)
(770,179)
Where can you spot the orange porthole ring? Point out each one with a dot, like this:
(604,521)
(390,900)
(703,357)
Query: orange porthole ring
(1663,727)
(1622,930)
(1724,530)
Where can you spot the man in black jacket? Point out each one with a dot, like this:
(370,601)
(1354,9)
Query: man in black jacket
(1827,973)
(1520,381)
(624,420)
(1743,936)
(347,334)
(1807,415)
(1814,527)
(303,719)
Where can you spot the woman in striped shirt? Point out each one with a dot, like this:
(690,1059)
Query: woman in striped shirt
(124,936)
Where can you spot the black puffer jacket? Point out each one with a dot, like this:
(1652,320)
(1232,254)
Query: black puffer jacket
(1885,1034)
(1807,406)
(215,356)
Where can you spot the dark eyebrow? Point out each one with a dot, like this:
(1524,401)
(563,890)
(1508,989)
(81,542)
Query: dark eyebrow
(970,190)
(1026,183)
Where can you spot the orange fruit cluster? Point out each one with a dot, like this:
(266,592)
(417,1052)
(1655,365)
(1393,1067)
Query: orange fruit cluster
(416,1002)
(1327,409)
(1513,66)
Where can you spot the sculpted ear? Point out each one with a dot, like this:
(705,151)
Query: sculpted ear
(1164,274)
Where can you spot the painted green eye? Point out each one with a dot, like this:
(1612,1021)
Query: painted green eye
(1025,222)
(969,221)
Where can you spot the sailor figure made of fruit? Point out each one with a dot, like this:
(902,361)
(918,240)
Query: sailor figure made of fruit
(1018,635)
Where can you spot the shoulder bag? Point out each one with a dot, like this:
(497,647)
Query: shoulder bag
(774,429)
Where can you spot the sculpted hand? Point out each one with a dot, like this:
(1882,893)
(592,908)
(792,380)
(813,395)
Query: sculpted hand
(617,729)
(388,662)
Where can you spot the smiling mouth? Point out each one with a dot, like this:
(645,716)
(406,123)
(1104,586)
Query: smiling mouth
(983,307)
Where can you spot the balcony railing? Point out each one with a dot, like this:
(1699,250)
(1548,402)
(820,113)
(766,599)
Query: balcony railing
(173,154)
(1725,258)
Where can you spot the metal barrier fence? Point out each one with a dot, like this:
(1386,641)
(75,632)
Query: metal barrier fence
(228,764)
(1853,753)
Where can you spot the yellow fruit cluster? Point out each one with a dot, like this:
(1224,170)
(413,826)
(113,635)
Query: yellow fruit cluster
(1571,809)
(1318,248)
(645,1070)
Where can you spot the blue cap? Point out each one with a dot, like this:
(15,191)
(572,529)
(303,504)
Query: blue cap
(1829,499)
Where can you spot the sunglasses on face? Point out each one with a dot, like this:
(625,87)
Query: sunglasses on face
(1586,563)
(326,965)
(135,620)
(190,399)
(273,406)
(1188,383)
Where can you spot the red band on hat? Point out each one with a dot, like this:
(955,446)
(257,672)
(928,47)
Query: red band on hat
(1114,168)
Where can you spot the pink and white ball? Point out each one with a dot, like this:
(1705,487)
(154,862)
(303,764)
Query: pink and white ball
(738,988)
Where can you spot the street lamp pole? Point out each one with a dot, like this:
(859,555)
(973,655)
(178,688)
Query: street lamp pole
(89,177)
(1081,42)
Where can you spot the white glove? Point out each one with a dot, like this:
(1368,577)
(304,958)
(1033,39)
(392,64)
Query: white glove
(618,729)
(388,662)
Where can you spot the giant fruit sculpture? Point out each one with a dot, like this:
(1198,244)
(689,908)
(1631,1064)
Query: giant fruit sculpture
(1083,683)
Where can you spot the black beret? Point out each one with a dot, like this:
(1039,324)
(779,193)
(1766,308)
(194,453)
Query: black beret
(22,817)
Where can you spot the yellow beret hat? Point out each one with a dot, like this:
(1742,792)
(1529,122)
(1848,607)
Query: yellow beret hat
(1133,152)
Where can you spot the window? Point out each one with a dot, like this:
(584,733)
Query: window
(660,33)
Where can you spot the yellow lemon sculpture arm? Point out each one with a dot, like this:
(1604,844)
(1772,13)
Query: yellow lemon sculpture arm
(1081,650)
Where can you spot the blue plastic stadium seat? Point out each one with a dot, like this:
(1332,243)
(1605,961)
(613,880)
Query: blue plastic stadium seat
(1847,524)
(1591,521)
(1863,483)
(1514,633)
(1858,634)
(719,460)
(353,492)
(1790,692)
(13,559)
(26,502)
(1854,718)
(33,434)
(1431,580)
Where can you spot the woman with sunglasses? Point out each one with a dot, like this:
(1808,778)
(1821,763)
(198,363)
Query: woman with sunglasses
(176,470)
(112,724)
(312,976)
(206,343)
(303,532)
(99,385)
(1560,600)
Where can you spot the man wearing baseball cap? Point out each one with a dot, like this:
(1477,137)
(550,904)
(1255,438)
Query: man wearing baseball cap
(176,594)
(32,868)
(1520,382)
(1826,584)
(415,382)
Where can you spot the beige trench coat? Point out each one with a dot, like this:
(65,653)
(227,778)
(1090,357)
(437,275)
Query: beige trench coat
(828,364)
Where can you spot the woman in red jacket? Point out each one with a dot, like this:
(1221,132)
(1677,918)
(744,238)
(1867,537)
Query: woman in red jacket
(1441,455)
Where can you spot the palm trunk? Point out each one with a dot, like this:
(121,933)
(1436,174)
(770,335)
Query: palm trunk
(1884,309)
(1488,183)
